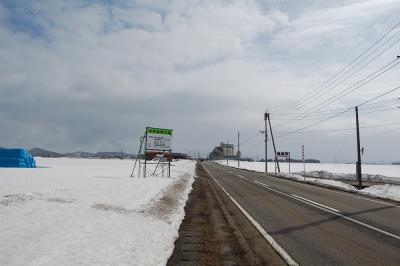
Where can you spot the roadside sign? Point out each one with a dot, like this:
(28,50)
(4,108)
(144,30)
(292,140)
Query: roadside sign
(283,154)
(158,139)
(155,145)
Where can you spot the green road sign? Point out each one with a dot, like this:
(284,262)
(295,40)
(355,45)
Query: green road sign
(160,131)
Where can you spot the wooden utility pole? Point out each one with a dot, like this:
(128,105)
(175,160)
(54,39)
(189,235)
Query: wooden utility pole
(358,165)
(226,153)
(238,149)
(266,116)
(303,159)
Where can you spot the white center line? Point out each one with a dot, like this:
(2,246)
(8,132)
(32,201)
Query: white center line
(316,203)
(261,184)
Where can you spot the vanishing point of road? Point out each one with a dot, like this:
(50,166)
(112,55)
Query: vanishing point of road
(315,225)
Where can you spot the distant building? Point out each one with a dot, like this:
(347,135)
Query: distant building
(224,150)
(228,149)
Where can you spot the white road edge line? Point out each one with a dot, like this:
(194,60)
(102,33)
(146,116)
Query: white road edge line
(332,212)
(284,255)
(316,203)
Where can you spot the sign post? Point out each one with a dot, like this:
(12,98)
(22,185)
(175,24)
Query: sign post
(157,146)
(284,154)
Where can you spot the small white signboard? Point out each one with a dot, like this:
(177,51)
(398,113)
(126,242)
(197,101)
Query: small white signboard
(282,154)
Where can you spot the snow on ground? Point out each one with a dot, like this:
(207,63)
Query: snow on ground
(369,169)
(320,174)
(318,181)
(383,191)
(90,212)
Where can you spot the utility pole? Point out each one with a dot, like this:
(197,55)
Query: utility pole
(358,165)
(303,159)
(238,149)
(266,116)
(226,153)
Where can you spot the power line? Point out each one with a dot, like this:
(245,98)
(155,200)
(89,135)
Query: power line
(336,110)
(340,113)
(355,72)
(343,129)
(339,129)
(379,96)
(349,90)
(343,69)
(361,83)
(317,116)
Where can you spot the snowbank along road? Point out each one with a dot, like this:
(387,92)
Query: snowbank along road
(313,225)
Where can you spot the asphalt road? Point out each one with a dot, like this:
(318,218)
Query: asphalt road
(314,225)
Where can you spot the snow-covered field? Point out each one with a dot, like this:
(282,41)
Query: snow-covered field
(329,175)
(368,169)
(90,212)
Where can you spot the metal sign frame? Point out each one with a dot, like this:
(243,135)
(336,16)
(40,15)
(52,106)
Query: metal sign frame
(148,155)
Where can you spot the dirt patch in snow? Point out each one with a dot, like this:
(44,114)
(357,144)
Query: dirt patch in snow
(18,198)
(60,200)
(107,207)
(164,207)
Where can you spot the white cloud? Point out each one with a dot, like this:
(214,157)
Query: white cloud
(99,72)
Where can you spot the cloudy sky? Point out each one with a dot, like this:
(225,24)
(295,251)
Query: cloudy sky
(91,75)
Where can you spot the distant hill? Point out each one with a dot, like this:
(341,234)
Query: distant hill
(112,154)
(80,154)
(396,163)
(43,153)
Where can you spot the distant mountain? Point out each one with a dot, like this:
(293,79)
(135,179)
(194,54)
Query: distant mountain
(43,153)
(80,154)
(112,154)
(396,163)
(312,161)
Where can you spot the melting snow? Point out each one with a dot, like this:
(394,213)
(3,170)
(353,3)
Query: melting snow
(90,212)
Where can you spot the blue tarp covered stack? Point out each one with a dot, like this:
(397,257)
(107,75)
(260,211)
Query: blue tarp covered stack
(16,158)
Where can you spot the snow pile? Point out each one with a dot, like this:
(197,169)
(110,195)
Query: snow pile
(90,212)
(318,181)
(383,191)
(352,177)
